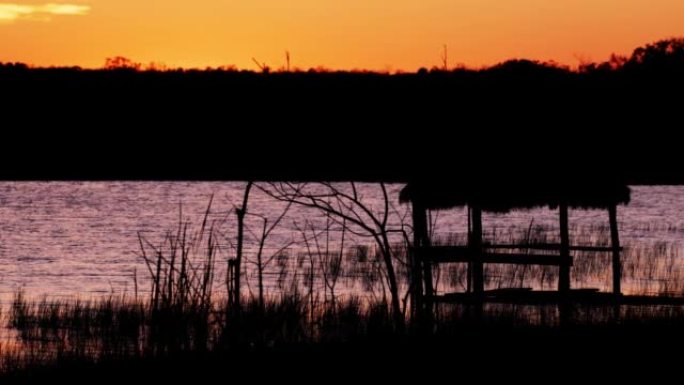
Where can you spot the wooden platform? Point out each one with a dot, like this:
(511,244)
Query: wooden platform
(578,296)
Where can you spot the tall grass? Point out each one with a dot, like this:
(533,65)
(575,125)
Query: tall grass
(329,293)
(182,277)
(649,268)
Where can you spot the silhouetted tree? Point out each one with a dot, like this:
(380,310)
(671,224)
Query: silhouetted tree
(664,57)
(121,63)
(14,66)
(348,208)
(667,51)
(261,261)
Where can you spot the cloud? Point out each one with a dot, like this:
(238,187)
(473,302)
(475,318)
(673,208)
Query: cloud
(10,12)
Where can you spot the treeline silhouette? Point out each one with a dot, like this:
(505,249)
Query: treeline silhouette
(526,116)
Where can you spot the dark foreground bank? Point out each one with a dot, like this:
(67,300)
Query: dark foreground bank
(601,354)
(131,343)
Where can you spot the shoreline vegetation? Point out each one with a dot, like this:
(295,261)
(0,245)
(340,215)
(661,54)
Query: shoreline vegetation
(185,327)
(363,126)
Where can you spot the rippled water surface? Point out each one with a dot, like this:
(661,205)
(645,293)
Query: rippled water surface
(81,238)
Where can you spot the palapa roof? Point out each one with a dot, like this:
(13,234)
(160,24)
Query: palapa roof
(510,192)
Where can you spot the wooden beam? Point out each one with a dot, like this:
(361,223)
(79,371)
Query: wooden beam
(475,244)
(446,250)
(615,241)
(564,271)
(433,253)
(549,246)
(460,255)
(585,297)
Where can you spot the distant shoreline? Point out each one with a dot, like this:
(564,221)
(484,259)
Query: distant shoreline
(613,118)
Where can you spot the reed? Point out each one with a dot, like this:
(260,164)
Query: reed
(331,295)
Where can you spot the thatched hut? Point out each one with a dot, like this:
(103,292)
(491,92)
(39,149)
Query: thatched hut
(503,194)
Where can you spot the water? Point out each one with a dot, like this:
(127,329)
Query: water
(80,239)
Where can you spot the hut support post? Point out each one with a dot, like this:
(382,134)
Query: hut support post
(469,272)
(564,270)
(475,243)
(615,245)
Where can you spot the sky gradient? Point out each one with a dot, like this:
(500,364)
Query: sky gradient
(350,34)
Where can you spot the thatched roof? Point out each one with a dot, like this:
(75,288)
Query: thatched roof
(517,192)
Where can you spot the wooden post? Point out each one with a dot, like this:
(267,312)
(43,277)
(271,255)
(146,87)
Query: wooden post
(475,244)
(615,244)
(469,273)
(564,270)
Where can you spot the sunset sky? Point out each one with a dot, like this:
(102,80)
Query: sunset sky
(337,34)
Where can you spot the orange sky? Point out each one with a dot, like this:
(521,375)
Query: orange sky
(338,34)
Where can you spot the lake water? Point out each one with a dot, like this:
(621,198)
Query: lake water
(80,239)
